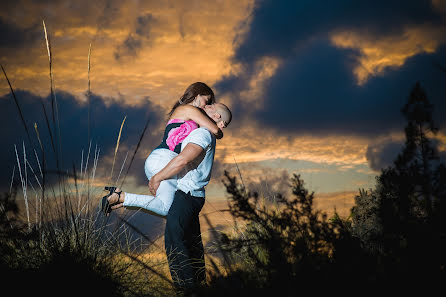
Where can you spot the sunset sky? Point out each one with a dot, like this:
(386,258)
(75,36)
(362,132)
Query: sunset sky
(316,87)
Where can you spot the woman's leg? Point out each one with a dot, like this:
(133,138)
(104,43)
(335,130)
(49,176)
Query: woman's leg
(159,204)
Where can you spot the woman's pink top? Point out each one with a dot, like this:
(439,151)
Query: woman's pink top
(176,131)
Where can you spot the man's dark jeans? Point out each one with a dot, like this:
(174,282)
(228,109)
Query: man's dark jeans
(182,238)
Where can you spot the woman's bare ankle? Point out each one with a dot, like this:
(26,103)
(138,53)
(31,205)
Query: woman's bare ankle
(121,195)
(116,197)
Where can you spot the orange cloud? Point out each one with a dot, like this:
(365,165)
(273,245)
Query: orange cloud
(341,201)
(441,138)
(248,145)
(378,54)
(185,43)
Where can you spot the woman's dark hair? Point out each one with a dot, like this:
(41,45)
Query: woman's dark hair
(193,91)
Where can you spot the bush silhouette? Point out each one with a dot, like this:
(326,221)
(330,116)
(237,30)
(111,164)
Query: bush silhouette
(402,221)
(286,247)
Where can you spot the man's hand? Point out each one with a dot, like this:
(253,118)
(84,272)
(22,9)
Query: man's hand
(154,184)
(187,155)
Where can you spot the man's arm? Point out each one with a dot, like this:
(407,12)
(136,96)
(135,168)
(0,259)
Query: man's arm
(187,155)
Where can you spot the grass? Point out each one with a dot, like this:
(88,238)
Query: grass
(60,242)
(58,233)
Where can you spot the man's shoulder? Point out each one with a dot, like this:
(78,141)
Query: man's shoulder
(200,136)
(202,132)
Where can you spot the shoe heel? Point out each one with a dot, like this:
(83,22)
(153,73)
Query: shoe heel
(110,189)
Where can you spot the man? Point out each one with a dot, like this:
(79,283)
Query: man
(182,237)
(192,168)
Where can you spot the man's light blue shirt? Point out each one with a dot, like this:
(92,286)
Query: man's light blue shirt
(196,175)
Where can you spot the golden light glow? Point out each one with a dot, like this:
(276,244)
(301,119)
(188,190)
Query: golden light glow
(378,54)
(333,149)
(441,138)
(182,43)
(342,202)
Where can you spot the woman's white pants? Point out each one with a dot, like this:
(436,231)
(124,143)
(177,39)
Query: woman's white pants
(159,204)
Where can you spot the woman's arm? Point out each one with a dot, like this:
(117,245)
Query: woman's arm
(196,115)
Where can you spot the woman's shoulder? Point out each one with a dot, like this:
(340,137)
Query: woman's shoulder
(183,109)
(183,112)
(186,108)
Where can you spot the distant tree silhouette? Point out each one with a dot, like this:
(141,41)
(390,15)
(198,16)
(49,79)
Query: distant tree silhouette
(366,221)
(403,219)
(418,155)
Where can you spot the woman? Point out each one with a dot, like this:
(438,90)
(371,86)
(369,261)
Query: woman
(185,116)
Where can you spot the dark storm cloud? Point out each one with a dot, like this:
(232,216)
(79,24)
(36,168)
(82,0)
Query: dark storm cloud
(314,88)
(106,120)
(317,91)
(129,48)
(16,37)
(279,28)
(109,11)
(382,155)
(143,24)
(134,41)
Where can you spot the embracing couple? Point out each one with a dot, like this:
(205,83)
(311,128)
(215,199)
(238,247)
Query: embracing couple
(178,171)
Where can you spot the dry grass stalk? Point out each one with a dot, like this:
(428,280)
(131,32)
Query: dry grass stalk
(17,104)
(38,136)
(117,146)
(240,174)
(12,180)
(55,112)
(136,150)
(25,197)
(122,167)
(88,94)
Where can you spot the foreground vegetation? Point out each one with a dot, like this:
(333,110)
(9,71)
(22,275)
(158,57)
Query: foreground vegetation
(395,238)
(81,255)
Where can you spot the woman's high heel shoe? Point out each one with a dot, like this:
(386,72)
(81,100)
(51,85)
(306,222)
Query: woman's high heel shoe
(104,205)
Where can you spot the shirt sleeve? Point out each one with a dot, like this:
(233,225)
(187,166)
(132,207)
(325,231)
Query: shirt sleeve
(201,137)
